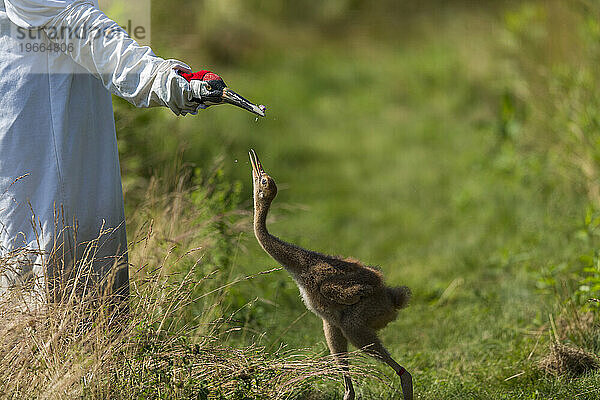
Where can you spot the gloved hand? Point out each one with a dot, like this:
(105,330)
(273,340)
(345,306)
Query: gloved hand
(170,89)
(201,88)
(185,92)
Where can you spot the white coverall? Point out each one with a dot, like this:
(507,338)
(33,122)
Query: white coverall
(60,181)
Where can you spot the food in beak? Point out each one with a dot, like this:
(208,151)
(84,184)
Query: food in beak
(232,97)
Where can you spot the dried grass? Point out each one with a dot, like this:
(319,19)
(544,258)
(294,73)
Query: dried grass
(568,361)
(63,351)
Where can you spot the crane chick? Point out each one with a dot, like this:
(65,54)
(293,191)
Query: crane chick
(351,298)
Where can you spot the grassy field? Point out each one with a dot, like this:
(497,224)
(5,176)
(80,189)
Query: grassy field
(403,149)
(409,146)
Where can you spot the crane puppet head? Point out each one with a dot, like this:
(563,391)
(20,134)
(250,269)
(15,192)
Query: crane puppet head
(214,91)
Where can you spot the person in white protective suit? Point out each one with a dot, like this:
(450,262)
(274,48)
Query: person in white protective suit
(60,184)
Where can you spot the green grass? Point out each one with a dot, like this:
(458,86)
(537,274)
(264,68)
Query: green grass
(392,152)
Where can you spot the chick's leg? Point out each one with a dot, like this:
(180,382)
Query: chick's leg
(338,346)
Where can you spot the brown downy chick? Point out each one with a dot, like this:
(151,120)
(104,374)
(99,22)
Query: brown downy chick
(350,297)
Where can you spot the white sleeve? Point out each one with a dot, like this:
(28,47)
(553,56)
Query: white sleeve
(103,48)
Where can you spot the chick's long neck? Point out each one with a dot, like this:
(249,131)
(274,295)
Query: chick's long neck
(293,258)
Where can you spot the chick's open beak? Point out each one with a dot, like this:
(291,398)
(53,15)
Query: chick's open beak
(231,97)
(257,169)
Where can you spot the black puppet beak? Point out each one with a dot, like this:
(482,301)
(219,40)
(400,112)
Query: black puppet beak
(257,169)
(231,97)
